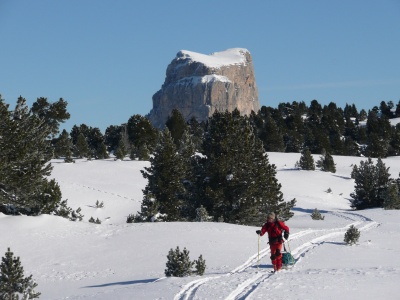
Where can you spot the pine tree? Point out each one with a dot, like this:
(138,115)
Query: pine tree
(63,145)
(176,125)
(120,152)
(239,183)
(326,163)
(13,283)
(82,146)
(352,235)
(101,152)
(165,179)
(316,215)
(186,150)
(200,265)
(112,136)
(149,210)
(271,136)
(391,197)
(178,264)
(306,160)
(370,182)
(25,156)
(140,131)
(202,215)
(378,135)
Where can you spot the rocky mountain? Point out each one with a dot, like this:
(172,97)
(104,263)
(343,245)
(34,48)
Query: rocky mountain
(198,85)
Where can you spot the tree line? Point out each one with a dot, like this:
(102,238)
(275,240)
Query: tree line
(219,166)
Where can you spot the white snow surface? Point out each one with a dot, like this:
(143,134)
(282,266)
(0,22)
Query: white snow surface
(228,57)
(117,260)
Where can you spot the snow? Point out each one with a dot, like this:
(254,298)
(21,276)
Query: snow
(117,260)
(228,57)
(195,80)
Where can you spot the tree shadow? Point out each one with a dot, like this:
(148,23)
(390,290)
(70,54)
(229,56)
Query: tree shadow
(309,211)
(123,283)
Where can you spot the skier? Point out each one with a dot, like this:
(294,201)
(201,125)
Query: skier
(274,228)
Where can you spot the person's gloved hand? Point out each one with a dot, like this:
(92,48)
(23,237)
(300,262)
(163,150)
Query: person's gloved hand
(258,232)
(286,235)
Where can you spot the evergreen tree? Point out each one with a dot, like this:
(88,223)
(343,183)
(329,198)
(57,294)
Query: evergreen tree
(62,145)
(178,264)
(82,146)
(13,283)
(394,147)
(25,156)
(51,113)
(352,235)
(326,163)
(186,150)
(306,161)
(112,136)
(120,152)
(239,183)
(316,215)
(378,135)
(200,265)
(370,182)
(391,197)
(271,136)
(202,215)
(165,179)
(143,153)
(140,132)
(176,125)
(196,131)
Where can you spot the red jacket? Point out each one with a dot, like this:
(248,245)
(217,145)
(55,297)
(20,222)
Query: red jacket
(274,231)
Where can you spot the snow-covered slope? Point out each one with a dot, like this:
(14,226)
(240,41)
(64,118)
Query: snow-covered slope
(116,260)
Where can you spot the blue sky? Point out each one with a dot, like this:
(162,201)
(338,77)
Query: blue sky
(107,58)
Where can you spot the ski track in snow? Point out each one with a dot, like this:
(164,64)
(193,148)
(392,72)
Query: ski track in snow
(247,280)
(95,189)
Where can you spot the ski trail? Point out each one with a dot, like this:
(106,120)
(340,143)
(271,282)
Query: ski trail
(188,290)
(247,285)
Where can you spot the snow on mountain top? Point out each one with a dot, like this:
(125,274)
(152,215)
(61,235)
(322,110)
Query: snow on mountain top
(228,57)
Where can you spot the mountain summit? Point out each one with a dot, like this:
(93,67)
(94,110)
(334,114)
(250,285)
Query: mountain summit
(197,85)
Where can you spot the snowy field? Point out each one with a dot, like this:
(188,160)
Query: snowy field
(116,260)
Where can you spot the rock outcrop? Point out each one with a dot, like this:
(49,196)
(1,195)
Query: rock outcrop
(198,85)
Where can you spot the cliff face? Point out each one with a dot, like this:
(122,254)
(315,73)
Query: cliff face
(198,85)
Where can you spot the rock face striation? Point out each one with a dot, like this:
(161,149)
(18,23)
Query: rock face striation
(198,85)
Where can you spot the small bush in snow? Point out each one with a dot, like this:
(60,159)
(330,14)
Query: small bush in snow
(99,204)
(63,210)
(352,235)
(130,218)
(200,265)
(178,264)
(316,215)
(92,220)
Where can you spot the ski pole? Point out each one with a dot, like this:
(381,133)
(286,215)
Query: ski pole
(258,252)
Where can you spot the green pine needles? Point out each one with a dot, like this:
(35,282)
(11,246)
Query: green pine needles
(316,215)
(180,265)
(352,235)
(13,283)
